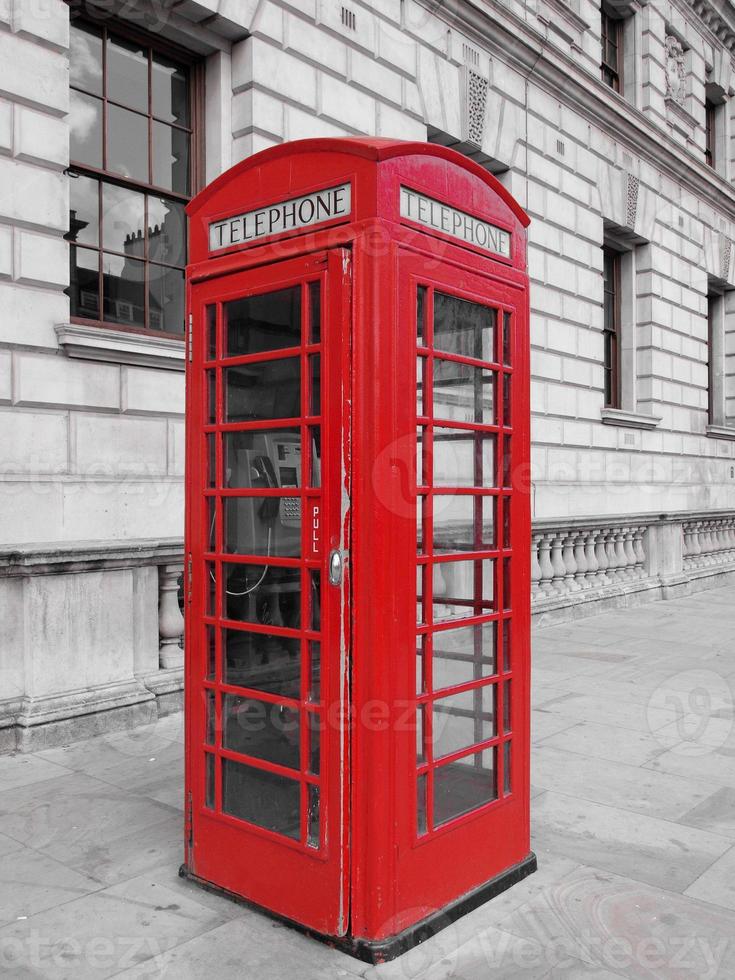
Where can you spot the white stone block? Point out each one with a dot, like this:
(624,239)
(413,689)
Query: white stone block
(307,41)
(40,259)
(346,105)
(329,16)
(33,196)
(6,127)
(43,20)
(29,315)
(6,376)
(34,74)
(40,138)
(394,123)
(45,379)
(396,48)
(130,507)
(256,62)
(253,109)
(301,125)
(146,391)
(176,447)
(375,78)
(6,251)
(33,442)
(268,22)
(109,446)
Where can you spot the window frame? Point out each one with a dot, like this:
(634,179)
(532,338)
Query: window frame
(609,21)
(611,335)
(194,65)
(710,133)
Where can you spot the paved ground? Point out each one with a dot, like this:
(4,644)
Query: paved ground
(633,818)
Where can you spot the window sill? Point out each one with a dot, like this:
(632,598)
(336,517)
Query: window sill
(616,416)
(720,432)
(121,347)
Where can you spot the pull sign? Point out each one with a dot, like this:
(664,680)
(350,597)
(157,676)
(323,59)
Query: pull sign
(443,217)
(315,530)
(299,212)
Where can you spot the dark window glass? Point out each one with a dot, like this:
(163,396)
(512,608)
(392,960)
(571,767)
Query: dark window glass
(612,49)
(271,321)
(262,662)
(463,393)
(85,281)
(263,391)
(464,785)
(261,729)
(611,326)
(710,133)
(462,327)
(262,798)
(262,593)
(146,142)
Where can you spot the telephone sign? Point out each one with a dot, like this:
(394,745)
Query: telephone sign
(358,614)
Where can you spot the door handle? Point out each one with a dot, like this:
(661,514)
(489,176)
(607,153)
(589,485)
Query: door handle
(336,567)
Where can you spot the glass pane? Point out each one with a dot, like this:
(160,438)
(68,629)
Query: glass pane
(262,798)
(123,220)
(209,780)
(420,538)
(268,390)
(506,338)
(271,321)
(211,650)
(464,785)
(421,408)
(312,838)
(420,735)
(166,231)
(507,768)
(85,58)
(315,669)
(506,400)
(421,459)
(270,458)
(313,723)
(463,458)
(421,787)
(262,594)
(462,327)
(461,720)
(463,523)
(315,382)
(124,290)
(262,661)
(211,523)
(83,211)
(421,654)
(507,585)
(420,579)
(421,315)
(170,158)
(127,73)
(315,311)
(170,97)
(463,589)
(211,459)
(210,584)
(506,523)
(315,465)
(507,463)
(84,286)
(166,299)
(463,393)
(507,688)
(262,730)
(315,600)
(85,124)
(506,644)
(127,143)
(263,526)
(212,332)
(210,719)
(463,655)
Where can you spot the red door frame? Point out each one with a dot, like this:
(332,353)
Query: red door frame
(236,856)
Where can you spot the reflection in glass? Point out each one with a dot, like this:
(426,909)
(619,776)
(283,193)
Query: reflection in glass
(313,729)
(507,463)
(315,311)
(271,321)
(462,327)
(166,231)
(420,735)
(506,400)
(463,458)
(124,290)
(85,129)
(506,645)
(262,594)
(83,211)
(420,385)
(506,338)
(315,670)
(211,523)
(461,720)
(210,720)
(127,143)
(212,332)
(421,572)
(211,653)
(463,589)
(261,729)
(463,393)
(464,785)
(127,74)
(211,459)
(420,539)
(463,655)
(463,522)
(507,588)
(209,780)
(247,467)
(507,768)
(166,299)
(262,661)
(170,93)
(507,706)
(170,158)
(421,460)
(84,286)
(421,792)
(262,798)
(421,315)
(85,58)
(263,391)
(312,836)
(421,654)
(263,526)
(315,398)
(315,599)
(123,220)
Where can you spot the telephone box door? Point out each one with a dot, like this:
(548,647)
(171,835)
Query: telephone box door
(267,645)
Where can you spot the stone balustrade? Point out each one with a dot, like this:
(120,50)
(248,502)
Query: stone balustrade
(619,561)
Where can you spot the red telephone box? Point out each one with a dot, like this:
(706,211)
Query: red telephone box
(358,539)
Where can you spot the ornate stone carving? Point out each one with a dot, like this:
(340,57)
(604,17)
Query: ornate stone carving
(631,206)
(675,70)
(725,252)
(475,98)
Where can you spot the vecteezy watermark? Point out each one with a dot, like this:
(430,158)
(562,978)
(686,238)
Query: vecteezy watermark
(48,955)
(699,705)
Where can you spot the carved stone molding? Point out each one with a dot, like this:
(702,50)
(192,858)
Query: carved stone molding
(474,105)
(675,70)
(631,210)
(725,253)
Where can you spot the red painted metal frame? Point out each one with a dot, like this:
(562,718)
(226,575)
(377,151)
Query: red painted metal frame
(390,877)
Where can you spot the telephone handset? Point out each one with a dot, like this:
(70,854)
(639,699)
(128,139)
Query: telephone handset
(263,474)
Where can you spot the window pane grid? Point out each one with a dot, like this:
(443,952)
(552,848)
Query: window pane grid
(462,401)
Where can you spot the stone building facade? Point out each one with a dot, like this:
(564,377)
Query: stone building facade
(612,125)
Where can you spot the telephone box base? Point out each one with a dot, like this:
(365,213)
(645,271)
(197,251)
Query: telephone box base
(384,950)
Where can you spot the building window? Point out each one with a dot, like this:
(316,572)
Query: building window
(611,326)
(710,129)
(132,162)
(612,49)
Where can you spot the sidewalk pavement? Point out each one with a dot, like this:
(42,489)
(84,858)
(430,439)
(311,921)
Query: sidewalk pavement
(633,824)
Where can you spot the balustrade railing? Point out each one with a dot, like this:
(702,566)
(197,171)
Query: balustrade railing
(708,542)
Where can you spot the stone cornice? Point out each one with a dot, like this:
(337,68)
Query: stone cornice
(719,16)
(509,38)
